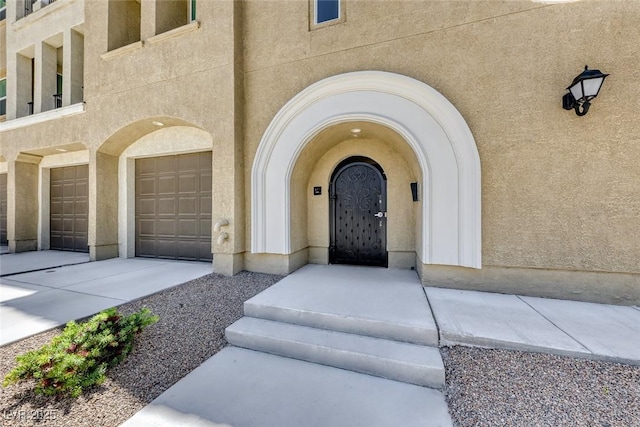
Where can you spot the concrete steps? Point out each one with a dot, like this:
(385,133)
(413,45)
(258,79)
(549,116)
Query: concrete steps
(424,333)
(401,361)
(367,320)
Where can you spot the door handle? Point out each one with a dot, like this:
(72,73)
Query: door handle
(380,214)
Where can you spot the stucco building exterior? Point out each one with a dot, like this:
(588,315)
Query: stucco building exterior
(404,134)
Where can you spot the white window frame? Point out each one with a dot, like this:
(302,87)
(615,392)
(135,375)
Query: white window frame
(313,19)
(193,11)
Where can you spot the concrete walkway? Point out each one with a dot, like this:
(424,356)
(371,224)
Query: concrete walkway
(569,328)
(37,301)
(242,388)
(23,262)
(325,346)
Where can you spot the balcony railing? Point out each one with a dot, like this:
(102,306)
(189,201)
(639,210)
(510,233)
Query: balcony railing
(57,100)
(28,5)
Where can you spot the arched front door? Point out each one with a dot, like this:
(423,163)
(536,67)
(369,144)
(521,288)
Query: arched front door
(358,205)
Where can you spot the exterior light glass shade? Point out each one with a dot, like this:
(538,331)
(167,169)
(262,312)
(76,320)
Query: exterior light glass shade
(582,90)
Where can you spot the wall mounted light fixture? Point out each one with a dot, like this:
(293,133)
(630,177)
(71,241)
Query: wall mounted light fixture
(584,88)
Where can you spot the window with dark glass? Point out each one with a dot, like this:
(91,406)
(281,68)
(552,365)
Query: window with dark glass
(326,10)
(3,10)
(3,97)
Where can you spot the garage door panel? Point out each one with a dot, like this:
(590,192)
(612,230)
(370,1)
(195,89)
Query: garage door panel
(166,185)
(3,208)
(146,206)
(67,225)
(146,227)
(69,189)
(68,210)
(69,174)
(82,189)
(145,166)
(146,186)
(144,245)
(187,206)
(205,162)
(188,250)
(68,207)
(166,227)
(205,227)
(56,190)
(166,163)
(82,173)
(205,182)
(80,224)
(205,205)
(204,250)
(167,206)
(56,208)
(68,241)
(82,206)
(166,248)
(81,242)
(57,174)
(172,207)
(189,162)
(187,228)
(187,184)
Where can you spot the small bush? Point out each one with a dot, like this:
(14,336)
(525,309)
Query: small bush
(80,356)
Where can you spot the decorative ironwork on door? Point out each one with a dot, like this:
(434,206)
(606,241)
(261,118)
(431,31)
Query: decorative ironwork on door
(358,214)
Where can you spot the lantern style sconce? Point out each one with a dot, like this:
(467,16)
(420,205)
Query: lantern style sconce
(584,88)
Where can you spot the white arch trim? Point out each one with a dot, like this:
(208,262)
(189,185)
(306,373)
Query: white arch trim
(429,123)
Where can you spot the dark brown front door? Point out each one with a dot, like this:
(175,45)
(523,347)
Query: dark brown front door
(69,208)
(3,208)
(358,213)
(173,207)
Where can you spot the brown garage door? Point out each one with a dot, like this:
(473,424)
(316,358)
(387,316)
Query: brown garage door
(69,208)
(3,208)
(173,207)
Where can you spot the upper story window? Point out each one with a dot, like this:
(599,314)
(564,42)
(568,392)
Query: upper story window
(3,97)
(172,14)
(124,23)
(326,12)
(3,10)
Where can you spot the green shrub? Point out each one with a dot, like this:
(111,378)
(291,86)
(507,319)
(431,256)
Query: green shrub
(80,356)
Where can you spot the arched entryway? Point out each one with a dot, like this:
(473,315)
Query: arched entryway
(154,182)
(439,140)
(357,213)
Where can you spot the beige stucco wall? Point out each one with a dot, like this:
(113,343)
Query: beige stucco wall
(3,48)
(560,193)
(159,79)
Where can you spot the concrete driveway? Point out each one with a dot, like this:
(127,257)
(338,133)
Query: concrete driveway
(36,301)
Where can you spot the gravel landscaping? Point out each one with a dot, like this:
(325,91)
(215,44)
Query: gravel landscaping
(483,387)
(513,388)
(193,317)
